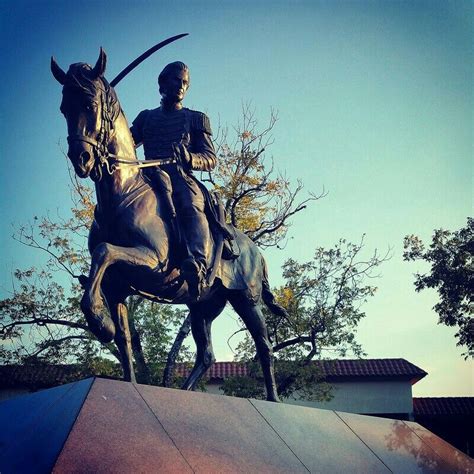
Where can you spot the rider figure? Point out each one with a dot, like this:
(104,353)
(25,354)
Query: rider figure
(172,131)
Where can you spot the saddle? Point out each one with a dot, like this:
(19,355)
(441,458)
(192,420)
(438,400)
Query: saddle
(213,210)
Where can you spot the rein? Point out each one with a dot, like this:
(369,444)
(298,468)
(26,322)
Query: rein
(119,160)
(111,161)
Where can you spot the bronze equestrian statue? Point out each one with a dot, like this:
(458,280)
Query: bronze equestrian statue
(134,241)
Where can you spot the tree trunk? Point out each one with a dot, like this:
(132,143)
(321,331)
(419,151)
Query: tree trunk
(143,372)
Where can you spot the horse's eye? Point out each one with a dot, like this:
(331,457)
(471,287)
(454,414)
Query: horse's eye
(90,106)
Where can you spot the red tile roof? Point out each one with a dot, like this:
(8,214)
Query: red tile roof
(372,368)
(429,406)
(218,370)
(332,369)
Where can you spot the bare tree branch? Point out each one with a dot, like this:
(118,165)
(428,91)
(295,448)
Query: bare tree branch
(291,342)
(44,322)
(57,342)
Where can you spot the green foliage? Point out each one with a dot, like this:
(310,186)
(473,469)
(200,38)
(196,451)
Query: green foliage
(157,325)
(306,382)
(450,255)
(97,366)
(41,320)
(244,387)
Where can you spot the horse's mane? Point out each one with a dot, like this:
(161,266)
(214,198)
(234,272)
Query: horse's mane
(80,78)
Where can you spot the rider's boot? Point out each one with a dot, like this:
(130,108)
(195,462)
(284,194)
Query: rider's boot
(194,272)
(195,231)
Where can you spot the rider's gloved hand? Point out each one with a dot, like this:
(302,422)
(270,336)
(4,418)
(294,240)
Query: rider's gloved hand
(182,155)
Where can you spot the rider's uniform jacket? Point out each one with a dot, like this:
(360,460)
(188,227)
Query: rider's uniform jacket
(158,130)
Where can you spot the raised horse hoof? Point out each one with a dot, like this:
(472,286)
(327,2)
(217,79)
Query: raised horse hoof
(102,327)
(84,281)
(100,324)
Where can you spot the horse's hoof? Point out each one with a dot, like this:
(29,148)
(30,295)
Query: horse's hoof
(274,398)
(102,327)
(84,281)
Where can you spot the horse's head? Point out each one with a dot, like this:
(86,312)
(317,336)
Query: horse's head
(90,107)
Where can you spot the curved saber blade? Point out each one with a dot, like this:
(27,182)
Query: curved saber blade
(142,58)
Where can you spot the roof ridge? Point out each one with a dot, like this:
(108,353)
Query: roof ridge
(325,360)
(390,367)
(443,398)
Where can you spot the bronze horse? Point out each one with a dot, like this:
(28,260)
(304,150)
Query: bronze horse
(132,242)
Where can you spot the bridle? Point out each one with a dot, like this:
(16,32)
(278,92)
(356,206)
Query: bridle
(100,145)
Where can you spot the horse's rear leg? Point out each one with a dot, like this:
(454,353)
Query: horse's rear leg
(122,339)
(254,320)
(202,315)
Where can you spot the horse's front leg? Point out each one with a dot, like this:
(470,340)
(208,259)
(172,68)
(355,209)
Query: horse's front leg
(92,304)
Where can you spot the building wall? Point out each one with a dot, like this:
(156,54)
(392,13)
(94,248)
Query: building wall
(382,397)
(213,388)
(366,398)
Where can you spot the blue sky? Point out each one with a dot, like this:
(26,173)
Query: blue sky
(375,105)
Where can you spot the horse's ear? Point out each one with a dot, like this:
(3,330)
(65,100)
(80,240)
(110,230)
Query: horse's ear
(58,73)
(99,68)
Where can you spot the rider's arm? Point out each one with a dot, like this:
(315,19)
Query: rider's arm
(201,149)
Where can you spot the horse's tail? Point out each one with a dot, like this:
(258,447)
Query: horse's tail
(269,298)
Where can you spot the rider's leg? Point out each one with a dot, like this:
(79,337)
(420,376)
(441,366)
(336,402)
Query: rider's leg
(195,230)
(161,182)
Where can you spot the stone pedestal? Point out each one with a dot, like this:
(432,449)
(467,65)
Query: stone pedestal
(107,426)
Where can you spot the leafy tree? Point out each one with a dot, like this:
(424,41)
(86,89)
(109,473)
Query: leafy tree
(450,255)
(42,322)
(323,299)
